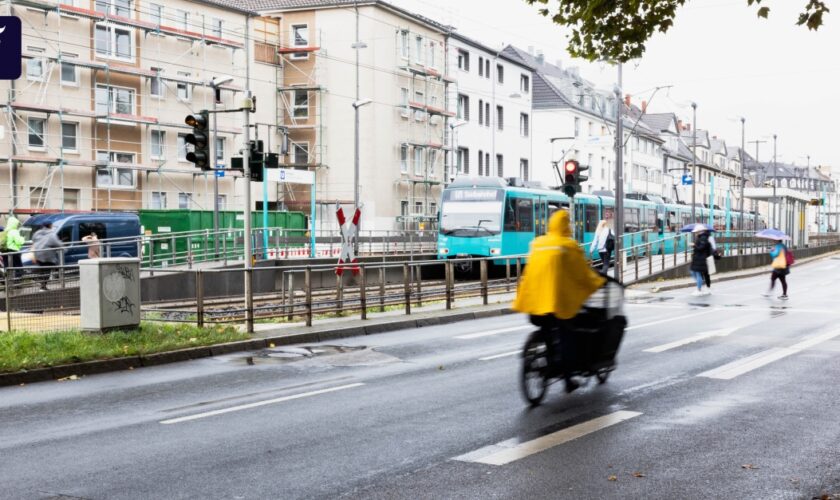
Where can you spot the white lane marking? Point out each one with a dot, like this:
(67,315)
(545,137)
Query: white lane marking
(670,319)
(493,332)
(722,332)
(741,366)
(258,404)
(511,450)
(502,355)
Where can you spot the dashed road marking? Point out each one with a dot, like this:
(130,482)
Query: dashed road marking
(502,355)
(511,450)
(493,332)
(741,366)
(258,404)
(666,320)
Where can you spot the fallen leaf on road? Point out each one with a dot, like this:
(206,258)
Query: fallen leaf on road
(612,478)
(639,474)
(71,377)
(749,466)
(271,345)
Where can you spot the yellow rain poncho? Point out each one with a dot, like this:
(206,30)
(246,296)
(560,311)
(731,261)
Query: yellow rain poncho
(557,279)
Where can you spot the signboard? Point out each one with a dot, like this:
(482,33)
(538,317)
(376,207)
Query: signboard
(687,180)
(220,173)
(291,176)
(10,41)
(472,194)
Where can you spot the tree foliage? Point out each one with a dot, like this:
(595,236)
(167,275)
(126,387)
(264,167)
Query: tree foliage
(617,30)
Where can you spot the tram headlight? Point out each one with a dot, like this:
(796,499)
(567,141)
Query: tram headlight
(495,251)
(443,251)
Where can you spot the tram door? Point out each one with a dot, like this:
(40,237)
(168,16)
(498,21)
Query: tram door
(541,216)
(580,218)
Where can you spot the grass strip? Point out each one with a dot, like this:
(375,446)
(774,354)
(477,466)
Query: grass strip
(20,350)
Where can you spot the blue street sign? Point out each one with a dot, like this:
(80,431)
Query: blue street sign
(10,42)
(687,180)
(220,173)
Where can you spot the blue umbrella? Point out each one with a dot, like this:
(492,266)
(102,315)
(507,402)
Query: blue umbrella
(689,228)
(772,234)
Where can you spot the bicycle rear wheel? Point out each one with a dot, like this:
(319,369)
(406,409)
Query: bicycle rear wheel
(535,365)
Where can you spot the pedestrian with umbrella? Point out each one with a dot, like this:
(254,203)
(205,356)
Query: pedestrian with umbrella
(782,260)
(700,257)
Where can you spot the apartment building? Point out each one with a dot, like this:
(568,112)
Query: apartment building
(403,113)
(97,120)
(491,97)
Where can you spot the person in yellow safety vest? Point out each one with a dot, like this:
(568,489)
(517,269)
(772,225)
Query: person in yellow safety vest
(11,241)
(556,282)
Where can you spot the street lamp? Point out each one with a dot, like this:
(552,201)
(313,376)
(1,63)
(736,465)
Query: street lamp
(215,83)
(356,105)
(743,179)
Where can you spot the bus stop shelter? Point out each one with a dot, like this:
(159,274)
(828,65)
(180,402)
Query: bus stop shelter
(785,211)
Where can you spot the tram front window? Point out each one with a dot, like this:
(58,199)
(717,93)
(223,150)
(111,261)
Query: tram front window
(471,218)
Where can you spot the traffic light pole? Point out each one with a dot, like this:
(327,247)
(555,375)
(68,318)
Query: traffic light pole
(213,154)
(249,297)
(618,217)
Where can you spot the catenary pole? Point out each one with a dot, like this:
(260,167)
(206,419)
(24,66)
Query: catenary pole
(619,179)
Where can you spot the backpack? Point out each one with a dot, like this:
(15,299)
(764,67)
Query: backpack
(789,258)
(609,245)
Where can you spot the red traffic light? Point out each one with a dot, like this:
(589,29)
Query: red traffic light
(571,166)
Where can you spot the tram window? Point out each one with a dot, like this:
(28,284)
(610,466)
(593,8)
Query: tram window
(650,221)
(519,215)
(631,220)
(672,221)
(590,218)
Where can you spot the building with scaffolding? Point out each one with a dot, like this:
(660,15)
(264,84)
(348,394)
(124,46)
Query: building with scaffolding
(401,69)
(97,120)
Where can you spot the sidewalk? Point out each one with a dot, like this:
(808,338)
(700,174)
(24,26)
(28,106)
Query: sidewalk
(687,282)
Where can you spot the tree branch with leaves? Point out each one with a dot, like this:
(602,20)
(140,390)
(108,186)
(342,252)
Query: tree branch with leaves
(618,30)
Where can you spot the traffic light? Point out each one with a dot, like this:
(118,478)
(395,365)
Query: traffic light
(255,160)
(200,155)
(582,178)
(570,173)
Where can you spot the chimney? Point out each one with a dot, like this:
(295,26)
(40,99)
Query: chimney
(679,126)
(627,100)
(540,58)
(644,106)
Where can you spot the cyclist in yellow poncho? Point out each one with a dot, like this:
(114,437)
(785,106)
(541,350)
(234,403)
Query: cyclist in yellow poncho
(557,280)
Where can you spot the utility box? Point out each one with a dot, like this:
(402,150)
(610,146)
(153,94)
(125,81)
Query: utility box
(109,292)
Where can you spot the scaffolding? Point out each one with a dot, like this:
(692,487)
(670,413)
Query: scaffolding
(100,120)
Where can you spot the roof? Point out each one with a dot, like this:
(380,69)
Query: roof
(235,5)
(718,146)
(702,138)
(502,55)
(660,122)
(267,6)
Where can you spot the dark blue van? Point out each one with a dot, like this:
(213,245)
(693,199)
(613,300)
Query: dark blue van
(70,229)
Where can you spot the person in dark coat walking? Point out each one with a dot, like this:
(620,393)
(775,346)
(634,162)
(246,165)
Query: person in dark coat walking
(702,251)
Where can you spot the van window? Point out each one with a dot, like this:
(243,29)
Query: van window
(85,228)
(65,234)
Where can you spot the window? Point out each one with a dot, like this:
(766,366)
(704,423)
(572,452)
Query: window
(433,208)
(480,112)
(183,19)
(500,118)
(487,164)
(158,200)
(463,107)
(69,136)
(463,60)
(300,38)
(221,200)
(431,58)
(523,125)
(418,49)
(500,74)
(183,200)
(590,130)
(183,92)
(432,161)
(419,98)
(156,13)
(500,166)
(36,132)
(404,159)
(577,127)
(405,48)
(157,144)
(487,68)
(523,169)
(220,150)
(71,199)
(116,7)
(156,84)
(115,176)
(403,208)
(183,147)
(404,97)
(519,215)
(418,161)
(69,76)
(524,83)
(117,100)
(301,153)
(301,106)
(480,163)
(487,114)
(418,207)
(463,161)
(480,66)
(217,27)
(35,69)
(114,41)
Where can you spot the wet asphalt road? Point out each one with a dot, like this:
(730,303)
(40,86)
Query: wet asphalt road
(728,396)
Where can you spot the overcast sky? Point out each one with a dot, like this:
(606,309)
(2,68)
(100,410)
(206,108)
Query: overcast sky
(782,78)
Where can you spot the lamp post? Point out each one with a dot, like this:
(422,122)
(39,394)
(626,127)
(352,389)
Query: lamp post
(693,161)
(743,179)
(215,83)
(775,180)
(619,178)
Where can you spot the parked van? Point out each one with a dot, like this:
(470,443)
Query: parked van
(71,228)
